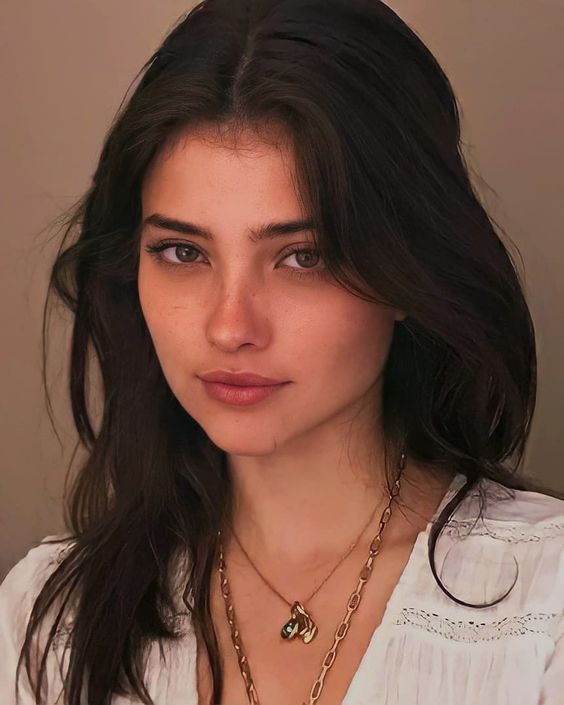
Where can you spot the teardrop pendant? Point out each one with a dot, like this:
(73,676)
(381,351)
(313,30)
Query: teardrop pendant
(300,624)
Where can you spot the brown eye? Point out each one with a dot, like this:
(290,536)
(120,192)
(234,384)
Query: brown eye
(184,253)
(308,258)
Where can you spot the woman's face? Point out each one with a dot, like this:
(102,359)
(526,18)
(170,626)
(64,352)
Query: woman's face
(231,303)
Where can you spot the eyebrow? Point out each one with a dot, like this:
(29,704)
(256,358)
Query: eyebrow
(267,231)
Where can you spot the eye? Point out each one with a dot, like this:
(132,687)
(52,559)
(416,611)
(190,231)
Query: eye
(186,255)
(183,251)
(309,257)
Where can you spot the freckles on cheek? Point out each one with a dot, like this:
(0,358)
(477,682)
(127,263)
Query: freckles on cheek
(165,316)
(172,322)
(160,300)
(360,337)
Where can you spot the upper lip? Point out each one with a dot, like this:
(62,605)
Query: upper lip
(241,379)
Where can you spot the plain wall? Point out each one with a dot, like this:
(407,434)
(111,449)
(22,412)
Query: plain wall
(65,69)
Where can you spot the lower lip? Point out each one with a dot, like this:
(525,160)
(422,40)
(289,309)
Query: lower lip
(240,396)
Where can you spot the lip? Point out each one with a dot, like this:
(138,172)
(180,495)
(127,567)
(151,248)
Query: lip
(241,396)
(240,379)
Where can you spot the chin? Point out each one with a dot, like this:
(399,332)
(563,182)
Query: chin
(235,441)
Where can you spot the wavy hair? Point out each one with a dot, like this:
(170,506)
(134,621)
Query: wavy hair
(376,130)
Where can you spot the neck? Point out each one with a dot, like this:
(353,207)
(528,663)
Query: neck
(305,506)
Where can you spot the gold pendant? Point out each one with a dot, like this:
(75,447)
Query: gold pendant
(301,624)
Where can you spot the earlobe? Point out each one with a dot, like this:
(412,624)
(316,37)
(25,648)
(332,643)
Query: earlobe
(400,315)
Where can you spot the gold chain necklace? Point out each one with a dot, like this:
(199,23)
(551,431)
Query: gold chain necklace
(301,623)
(297,607)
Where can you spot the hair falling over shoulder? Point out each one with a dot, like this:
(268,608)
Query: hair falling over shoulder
(376,130)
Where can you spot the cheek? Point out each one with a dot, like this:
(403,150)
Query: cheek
(172,334)
(351,345)
(168,320)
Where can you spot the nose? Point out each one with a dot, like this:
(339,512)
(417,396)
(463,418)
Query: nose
(238,315)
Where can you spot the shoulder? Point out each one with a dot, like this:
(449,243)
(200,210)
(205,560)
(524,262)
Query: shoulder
(18,592)
(529,523)
(25,580)
(501,526)
(499,519)
(520,515)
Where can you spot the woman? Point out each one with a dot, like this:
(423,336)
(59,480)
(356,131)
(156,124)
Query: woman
(317,360)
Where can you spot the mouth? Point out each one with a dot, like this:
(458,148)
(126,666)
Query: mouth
(241,395)
(240,379)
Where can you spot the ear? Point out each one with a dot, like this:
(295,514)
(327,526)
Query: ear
(400,315)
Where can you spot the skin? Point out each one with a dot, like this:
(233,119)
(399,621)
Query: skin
(306,463)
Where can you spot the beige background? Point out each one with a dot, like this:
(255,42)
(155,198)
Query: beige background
(65,68)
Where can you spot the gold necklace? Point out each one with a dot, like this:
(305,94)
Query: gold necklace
(342,630)
(301,623)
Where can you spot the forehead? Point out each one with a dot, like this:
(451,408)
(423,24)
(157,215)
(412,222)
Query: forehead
(211,152)
(205,176)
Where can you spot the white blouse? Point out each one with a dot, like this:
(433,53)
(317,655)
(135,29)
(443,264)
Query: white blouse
(427,648)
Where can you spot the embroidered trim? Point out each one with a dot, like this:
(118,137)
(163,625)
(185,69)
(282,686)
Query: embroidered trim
(178,621)
(63,634)
(59,554)
(62,637)
(472,631)
(510,533)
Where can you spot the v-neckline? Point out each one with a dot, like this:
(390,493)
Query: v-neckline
(351,697)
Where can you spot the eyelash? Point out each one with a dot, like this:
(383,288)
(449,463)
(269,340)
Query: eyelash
(157,250)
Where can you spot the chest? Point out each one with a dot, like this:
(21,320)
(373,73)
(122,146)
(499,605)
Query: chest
(416,647)
(285,671)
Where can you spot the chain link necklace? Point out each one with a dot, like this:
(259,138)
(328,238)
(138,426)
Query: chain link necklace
(301,622)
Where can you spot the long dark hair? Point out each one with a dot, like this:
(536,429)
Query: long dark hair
(376,131)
